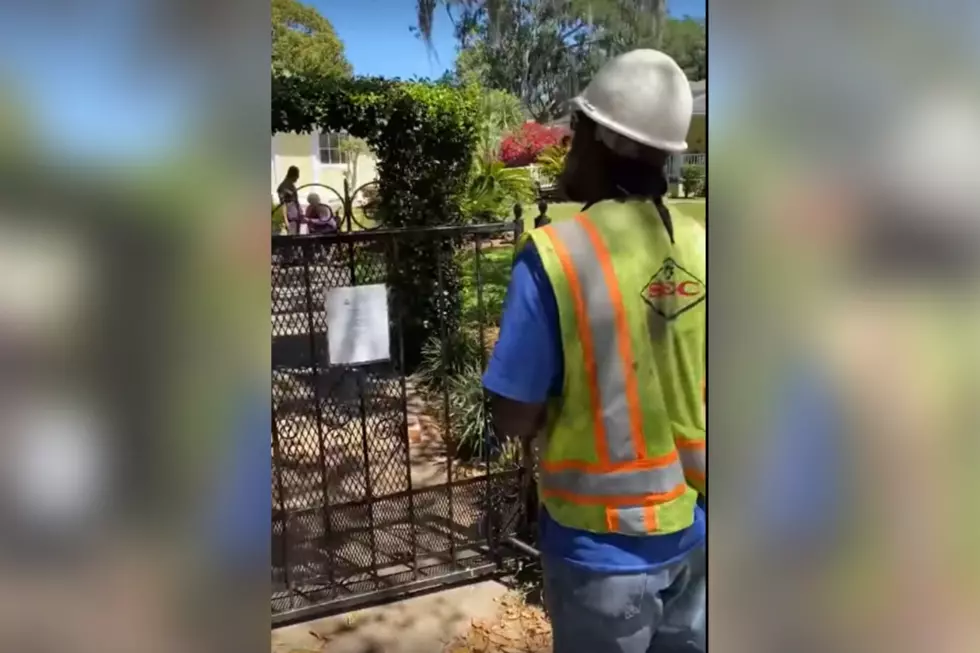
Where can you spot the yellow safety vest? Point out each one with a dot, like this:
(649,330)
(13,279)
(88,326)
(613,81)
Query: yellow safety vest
(625,444)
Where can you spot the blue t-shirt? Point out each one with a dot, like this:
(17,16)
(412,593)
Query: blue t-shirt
(239,514)
(527,366)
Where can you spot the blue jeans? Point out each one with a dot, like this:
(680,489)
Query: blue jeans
(658,612)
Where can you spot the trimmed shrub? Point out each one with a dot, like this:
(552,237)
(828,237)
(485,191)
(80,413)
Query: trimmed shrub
(692,175)
(424,136)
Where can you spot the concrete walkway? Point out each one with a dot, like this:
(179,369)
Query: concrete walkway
(423,624)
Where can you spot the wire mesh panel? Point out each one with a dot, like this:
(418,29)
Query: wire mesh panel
(386,476)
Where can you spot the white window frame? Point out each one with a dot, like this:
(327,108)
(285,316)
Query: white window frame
(340,162)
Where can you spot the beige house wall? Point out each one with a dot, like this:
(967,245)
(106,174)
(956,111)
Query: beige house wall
(303,151)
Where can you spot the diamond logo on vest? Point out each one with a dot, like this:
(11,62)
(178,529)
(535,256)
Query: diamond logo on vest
(673,290)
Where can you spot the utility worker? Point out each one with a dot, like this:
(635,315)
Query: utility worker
(602,352)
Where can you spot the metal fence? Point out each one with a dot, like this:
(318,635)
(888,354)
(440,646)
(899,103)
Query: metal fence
(677,161)
(371,498)
(694,159)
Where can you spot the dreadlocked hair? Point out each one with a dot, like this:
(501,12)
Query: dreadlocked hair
(642,174)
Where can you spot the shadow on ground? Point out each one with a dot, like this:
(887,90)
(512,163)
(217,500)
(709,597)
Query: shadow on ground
(424,624)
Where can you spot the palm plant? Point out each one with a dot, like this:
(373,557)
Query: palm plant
(500,113)
(494,188)
(552,162)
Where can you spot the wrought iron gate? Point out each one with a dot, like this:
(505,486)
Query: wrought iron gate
(369,500)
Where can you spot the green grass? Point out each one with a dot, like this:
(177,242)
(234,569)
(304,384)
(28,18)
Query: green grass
(557,212)
(695,208)
(495,275)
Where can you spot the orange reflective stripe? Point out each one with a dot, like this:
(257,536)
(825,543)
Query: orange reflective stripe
(693,469)
(698,478)
(650,519)
(621,325)
(610,468)
(585,337)
(624,501)
(612,520)
(687,443)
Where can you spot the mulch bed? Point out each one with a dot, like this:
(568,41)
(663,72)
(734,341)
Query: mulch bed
(518,627)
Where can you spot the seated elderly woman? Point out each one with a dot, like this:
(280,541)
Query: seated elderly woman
(319,216)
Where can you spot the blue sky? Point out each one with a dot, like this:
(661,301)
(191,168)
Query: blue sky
(90,99)
(378,41)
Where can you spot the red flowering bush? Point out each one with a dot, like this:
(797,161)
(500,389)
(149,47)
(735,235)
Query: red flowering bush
(523,147)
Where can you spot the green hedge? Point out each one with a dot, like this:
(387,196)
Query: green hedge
(693,176)
(424,137)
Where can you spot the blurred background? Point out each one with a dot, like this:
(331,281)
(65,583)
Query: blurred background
(133,329)
(844,248)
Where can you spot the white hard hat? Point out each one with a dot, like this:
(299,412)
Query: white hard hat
(643,96)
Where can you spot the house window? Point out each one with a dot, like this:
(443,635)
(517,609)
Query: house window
(330,153)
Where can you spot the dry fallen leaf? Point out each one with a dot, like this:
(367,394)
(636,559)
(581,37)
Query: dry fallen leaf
(517,628)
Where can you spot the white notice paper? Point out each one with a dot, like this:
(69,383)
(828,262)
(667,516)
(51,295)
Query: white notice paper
(357,324)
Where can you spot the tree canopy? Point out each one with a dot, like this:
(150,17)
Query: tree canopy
(305,43)
(545,51)
(595,11)
(685,40)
